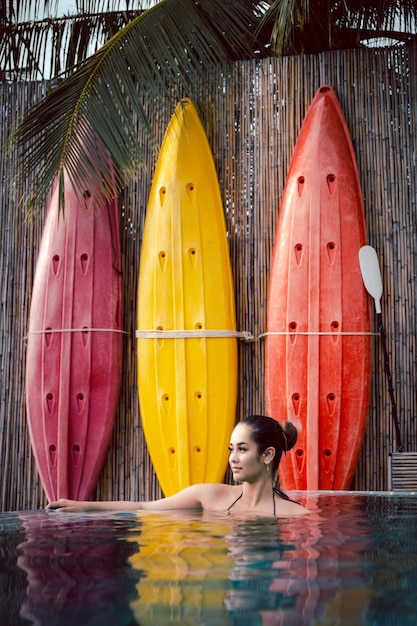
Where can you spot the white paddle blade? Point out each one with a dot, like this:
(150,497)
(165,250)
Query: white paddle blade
(371,274)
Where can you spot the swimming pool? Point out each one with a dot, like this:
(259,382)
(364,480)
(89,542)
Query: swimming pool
(353,560)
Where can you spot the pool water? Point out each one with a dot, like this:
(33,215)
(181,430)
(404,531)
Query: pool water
(353,560)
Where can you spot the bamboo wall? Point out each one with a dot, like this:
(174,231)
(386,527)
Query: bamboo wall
(252,113)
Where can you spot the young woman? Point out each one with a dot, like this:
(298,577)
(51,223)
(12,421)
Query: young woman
(256,447)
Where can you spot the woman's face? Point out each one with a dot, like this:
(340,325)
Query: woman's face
(244,459)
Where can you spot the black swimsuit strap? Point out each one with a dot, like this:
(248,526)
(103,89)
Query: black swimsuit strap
(276,491)
(234,502)
(283,495)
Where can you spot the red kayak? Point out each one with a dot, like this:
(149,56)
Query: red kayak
(318,347)
(75,343)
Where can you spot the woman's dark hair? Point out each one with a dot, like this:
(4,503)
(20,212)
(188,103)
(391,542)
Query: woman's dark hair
(267,432)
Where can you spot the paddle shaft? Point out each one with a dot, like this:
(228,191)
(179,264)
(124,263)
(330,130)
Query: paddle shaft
(389,378)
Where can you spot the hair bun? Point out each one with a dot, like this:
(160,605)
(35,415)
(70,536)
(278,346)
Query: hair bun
(290,435)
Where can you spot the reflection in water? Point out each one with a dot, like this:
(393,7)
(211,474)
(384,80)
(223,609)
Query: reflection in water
(351,561)
(185,565)
(76,570)
(249,571)
(12,579)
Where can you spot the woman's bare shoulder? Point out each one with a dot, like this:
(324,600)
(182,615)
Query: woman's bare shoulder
(217,496)
(289,508)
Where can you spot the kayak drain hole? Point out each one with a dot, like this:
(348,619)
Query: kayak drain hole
(293,326)
(171,450)
(327,452)
(55,263)
(300,452)
(52,455)
(300,186)
(190,187)
(335,325)
(199,326)
(197,449)
(50,402)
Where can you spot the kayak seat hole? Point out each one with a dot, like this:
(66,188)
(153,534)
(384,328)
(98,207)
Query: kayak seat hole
(299,458)
(162,195)
(327,457)
(166,404)
(335,327)
(192,257)
(76,454)
(331,403)
(56,263)
(50,403)
(298,249)
(85,336)
(292,326)
(162,258)
(84,263)
(52,454)
(296,402)
(48,337)
(331,252)
(80,402)
(331,184)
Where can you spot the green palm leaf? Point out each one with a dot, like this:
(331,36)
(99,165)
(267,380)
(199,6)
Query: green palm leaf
(160,55)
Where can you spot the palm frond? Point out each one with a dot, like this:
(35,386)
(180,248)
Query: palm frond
(161,54)
(304,26)
(35,50)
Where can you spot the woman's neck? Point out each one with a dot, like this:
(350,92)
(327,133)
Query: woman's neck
(255,493)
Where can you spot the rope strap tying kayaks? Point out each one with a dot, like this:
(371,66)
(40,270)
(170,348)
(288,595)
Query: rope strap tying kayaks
(49,331)
(236,334)
(194,334)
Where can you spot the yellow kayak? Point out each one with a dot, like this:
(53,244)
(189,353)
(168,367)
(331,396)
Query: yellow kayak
(187,354)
